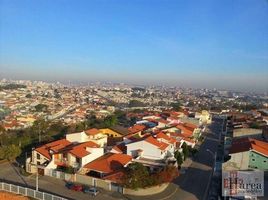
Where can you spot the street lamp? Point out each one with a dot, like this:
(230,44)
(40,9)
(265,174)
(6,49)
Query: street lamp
(35,163)
(214,156)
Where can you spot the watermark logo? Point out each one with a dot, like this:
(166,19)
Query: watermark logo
(242,183)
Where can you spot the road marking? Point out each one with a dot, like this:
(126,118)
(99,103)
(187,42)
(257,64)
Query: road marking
(169,195)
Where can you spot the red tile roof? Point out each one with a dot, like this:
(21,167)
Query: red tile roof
(92,131)
(120,148)
(247,144)
(155,142)
(186,130)
(165,137)
(136,128)
(109,163)
(80,149)
(54,146)
(115,177)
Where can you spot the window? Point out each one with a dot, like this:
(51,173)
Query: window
(38,163)
(38,156)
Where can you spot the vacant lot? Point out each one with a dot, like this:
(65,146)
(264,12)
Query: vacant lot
(10,196)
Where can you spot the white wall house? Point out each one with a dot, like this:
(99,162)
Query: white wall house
(148,148)
(93,135)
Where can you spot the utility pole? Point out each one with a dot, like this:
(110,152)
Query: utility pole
(36,182)
(39,133)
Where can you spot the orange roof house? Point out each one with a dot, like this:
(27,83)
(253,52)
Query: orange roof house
(165,137)
(249,144)
(155,142)
(109,163)
(80,149)
(136,128)
(92,131)
(54,147)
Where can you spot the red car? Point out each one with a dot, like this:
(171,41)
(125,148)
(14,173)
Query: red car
(77,188)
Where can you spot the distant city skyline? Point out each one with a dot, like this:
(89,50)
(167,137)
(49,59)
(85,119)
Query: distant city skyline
(206,44)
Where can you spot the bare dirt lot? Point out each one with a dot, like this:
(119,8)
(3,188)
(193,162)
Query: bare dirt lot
(9,196)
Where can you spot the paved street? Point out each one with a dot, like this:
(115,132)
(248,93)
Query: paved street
(10,174)
(195,182)
(191,185)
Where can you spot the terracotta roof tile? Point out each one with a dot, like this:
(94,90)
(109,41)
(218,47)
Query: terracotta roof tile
(155,142)
(109,163)
(80,149)
(92,131)
(54,146)
(247,144)
(136,128)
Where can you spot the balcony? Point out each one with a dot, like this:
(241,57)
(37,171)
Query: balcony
(65,163)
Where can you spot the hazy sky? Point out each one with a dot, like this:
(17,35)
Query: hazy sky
(191,43)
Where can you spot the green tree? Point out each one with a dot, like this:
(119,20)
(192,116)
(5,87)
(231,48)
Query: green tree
(41,107)
(2,129)
(176,106)
(10,152)
(110,121)
(39,128)
(136,103)
(28,96)
(185,150)
(137,176)
(168,174)
(178,157)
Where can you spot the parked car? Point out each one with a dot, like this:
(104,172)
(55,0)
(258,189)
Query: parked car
(90,190)
(72,186)
(69,185)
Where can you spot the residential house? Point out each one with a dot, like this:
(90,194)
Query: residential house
(247,132)
(94,135)
(204,117)
(77,155)
(114,131)
(137,129)
(247,153)
(107,165)
(154,147)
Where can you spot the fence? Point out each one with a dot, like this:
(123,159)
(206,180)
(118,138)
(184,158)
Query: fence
(28,192)
(83,179)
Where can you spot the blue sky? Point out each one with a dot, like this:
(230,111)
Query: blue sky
(191,43)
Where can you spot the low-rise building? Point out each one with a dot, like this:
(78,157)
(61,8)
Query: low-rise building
(247,153)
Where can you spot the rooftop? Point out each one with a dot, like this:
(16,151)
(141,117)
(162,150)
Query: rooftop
(247,144)
(109,163)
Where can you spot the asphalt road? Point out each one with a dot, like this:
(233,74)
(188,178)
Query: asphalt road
(10,174)
(194,183)
(191,185)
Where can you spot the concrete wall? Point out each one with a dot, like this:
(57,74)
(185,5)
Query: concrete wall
(87,180)
(83,179)
(147,191)
(149,151)
(238,161)
(95,153)
(77,137)
(35,160)
(110,132)
(258,161)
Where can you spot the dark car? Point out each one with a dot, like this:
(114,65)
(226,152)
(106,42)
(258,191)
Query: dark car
(72,186)
(90,190)
(69,185)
